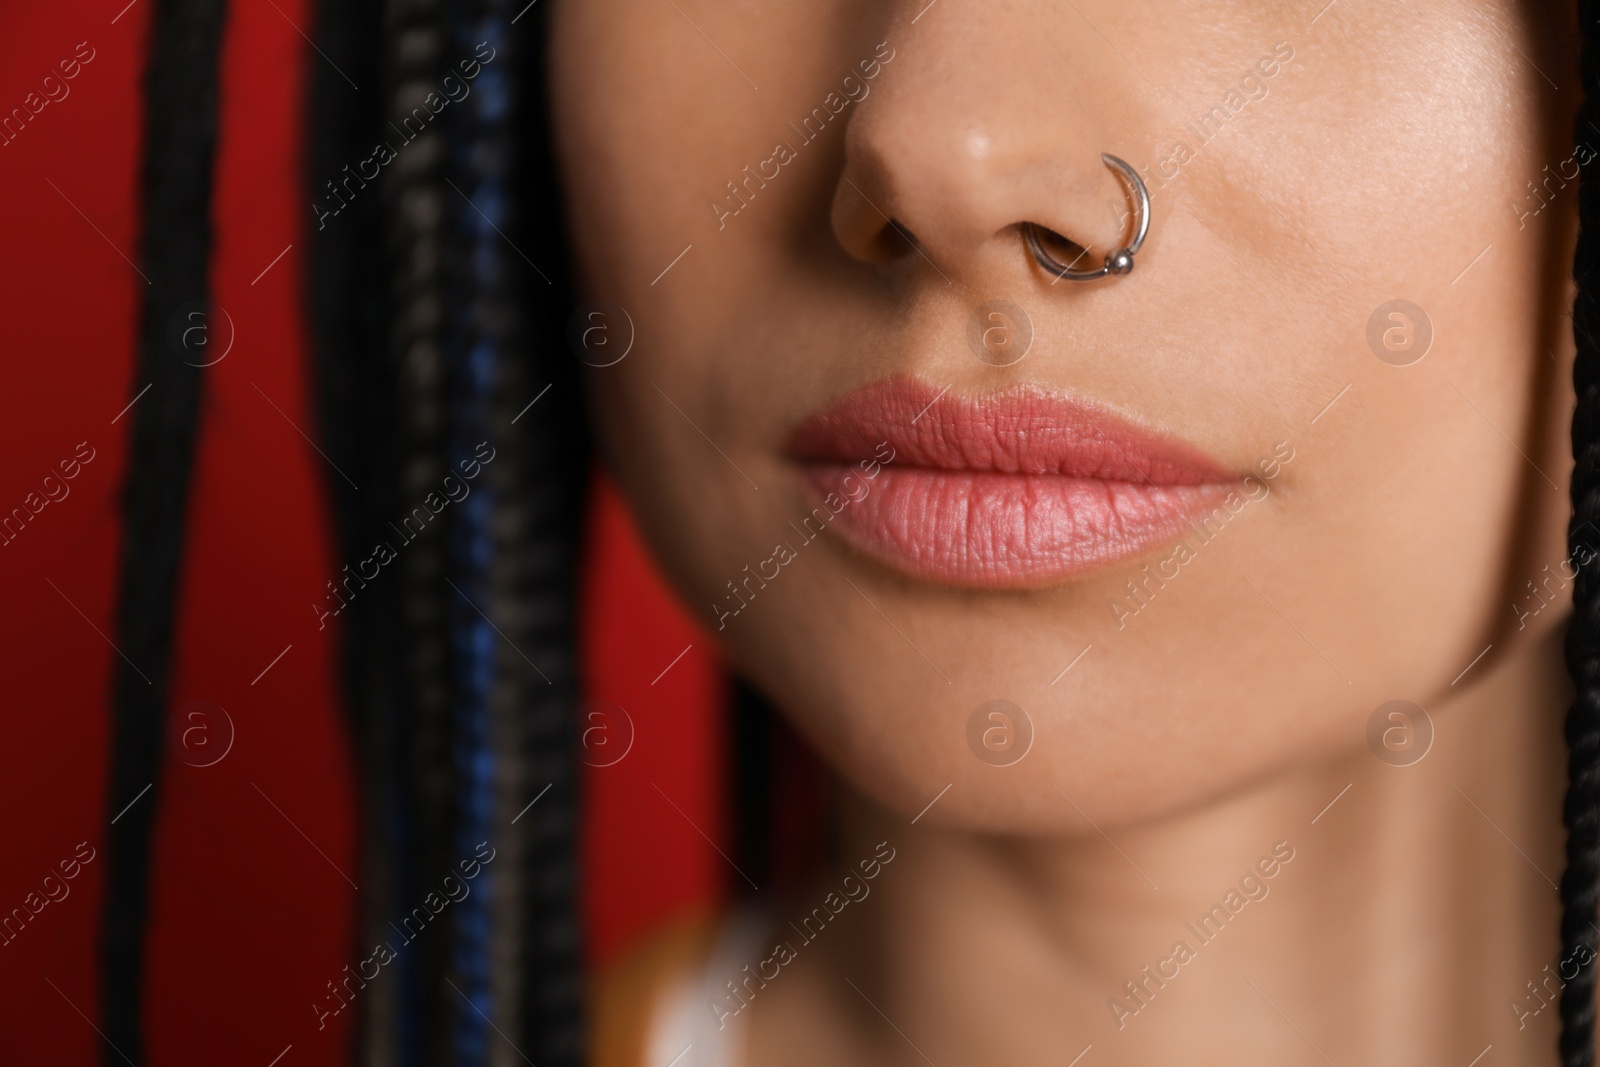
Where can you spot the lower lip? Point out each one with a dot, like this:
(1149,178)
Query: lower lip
(998,530)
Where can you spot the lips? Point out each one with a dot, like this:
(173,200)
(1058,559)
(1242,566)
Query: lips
(1009,490)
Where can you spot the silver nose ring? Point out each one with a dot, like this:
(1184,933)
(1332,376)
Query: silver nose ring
(1118,260)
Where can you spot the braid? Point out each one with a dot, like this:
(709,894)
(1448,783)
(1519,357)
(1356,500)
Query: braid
(1580,883)
(461,722)
(175,246)
(347,294)
(413,44)
(552,440)
(475,358)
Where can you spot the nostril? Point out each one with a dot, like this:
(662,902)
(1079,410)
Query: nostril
(1115,262)
(895,241)
(1063,249)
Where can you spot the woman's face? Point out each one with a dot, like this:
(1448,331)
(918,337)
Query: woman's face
(1193,524)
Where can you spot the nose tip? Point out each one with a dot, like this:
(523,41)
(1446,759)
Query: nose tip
(945,194)
(969,137)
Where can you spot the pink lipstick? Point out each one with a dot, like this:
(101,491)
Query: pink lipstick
(1007,490)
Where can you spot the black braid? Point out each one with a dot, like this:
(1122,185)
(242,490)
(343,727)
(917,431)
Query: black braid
(348,289)
(175,249)
(384,412)
(413,187)
(555,457)
(1580,883)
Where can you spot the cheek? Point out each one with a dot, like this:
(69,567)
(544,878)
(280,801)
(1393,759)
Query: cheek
(692,421)
(641,160)
(1443,467)
(1372,570)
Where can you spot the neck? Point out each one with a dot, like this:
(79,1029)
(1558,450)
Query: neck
(1351,912)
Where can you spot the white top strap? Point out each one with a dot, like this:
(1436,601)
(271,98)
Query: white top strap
(700,1021)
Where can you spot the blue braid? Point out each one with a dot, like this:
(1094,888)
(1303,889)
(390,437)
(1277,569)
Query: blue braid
(476,352)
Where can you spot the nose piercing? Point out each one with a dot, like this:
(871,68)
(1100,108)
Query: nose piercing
(1118,260)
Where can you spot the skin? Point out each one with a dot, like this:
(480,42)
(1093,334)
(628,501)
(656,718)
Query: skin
(1379,162)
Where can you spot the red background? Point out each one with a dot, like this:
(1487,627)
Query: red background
(252,901)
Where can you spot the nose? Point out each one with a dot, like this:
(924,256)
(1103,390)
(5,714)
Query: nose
(984,121)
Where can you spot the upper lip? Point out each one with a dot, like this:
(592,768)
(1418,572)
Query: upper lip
(1023,430)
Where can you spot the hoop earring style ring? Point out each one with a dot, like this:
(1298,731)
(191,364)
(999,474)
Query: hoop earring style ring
(1118,260)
